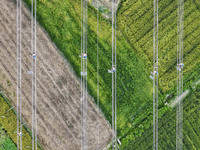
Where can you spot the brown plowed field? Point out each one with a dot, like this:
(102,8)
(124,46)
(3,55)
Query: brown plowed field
(58,90)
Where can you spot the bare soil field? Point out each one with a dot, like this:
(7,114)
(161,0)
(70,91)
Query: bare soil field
(58,89)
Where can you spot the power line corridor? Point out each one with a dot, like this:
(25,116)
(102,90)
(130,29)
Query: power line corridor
(32,73)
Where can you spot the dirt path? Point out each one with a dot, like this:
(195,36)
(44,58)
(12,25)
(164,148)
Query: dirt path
(59,122)
(178,99)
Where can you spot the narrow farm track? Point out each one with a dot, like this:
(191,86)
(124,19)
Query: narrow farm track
(59,105)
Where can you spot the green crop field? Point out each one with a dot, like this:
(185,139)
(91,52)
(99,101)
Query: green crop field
(167,127)
(62,20)
(135,21)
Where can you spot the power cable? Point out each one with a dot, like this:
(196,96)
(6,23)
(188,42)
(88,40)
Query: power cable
(20,78)
(114,79)
(17,74)
(32,75)
(36,75)
(115,74)
(112,76)
(155,76)
(179,107)
(84,18)
(98,146)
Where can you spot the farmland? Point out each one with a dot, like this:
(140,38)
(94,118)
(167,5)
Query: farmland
(134,56)
(63,26)
(61,20)
(58,89)
(135,20)
(167,127)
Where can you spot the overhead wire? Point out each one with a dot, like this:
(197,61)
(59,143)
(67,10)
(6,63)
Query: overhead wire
(17,74)
(20,68)
(114,79)
(84,18)
(115,74)
(155,78)
(81,75)
(154,137)
(86,79)
(36,75)
(181,103)
(179,107)
(32,102)
(98,122)
(112,76)
(157,84)
(19,77)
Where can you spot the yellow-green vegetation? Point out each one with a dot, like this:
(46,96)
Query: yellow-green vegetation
(8,121)
(135,20)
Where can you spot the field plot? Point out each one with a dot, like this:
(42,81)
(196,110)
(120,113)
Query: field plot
(59,105)
(8,124)
(135,20)
(167,127)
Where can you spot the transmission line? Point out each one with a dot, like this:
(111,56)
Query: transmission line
(114,75)
(20,74)
(84,18)
(32,75)
(179,107)
(17,74)
(98,146)
(35,74)
(19,77)
(155,77)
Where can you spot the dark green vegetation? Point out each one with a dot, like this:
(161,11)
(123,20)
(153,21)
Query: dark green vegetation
(9,125)
(167,127)
(61,19)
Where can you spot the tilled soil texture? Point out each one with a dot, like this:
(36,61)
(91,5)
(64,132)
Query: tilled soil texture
(58,90)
